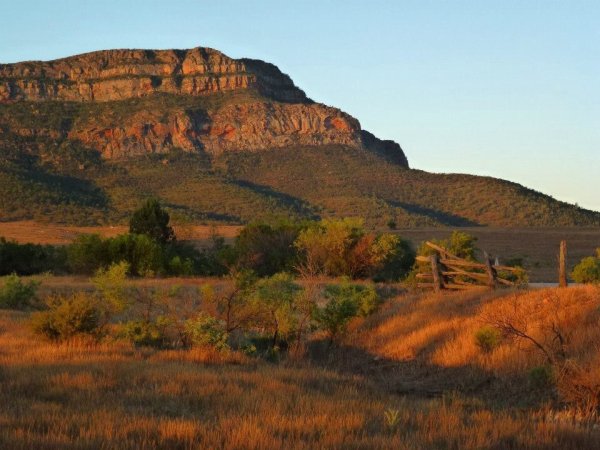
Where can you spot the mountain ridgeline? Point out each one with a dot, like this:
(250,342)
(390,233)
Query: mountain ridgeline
(85,139)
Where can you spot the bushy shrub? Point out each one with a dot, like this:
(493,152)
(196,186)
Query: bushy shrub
(341,247)
(111,283)
(147,333)
(274,303)
(15,294)
(541,376)
(488,338)
(267,248)
(588,270)
(205,330)
(344,302)
(68,316)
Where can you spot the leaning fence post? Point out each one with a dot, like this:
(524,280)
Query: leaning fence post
(438,283)
(562,265)
(491,272)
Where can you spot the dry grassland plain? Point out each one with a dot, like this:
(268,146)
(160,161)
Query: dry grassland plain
(411,376)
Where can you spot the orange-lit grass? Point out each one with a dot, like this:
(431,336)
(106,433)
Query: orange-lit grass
(111,395)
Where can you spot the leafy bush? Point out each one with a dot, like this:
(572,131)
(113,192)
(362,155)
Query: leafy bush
(275,309)
(68,316)
(344,302)
(487,338)
(206,330)
(541,376)
(15,294)
(267,248)
(149,333)
(111,283)
(588,270)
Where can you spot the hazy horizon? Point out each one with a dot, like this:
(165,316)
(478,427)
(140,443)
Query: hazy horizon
(501,89)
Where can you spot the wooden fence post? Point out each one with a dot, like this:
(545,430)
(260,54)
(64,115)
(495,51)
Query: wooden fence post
(438,282)
(562,265)
(491,272)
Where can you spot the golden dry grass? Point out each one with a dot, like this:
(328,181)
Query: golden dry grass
(112,395)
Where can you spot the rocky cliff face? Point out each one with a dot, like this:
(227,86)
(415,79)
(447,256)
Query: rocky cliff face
(122,74)
(277,115)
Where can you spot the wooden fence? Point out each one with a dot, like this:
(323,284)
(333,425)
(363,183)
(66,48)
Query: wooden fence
(448,271)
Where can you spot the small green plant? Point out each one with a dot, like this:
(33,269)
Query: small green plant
(391,418)
(541,376)
(17,295)
(147,333)
(487,338)
(345,301)
(68,316)
(206,330)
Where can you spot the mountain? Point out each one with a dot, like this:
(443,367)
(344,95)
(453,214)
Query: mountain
(84,139)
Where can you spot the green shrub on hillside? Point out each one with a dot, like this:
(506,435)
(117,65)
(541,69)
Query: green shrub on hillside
(15,294)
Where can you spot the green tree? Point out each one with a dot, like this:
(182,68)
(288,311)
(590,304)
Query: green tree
(275,303)
(152,220)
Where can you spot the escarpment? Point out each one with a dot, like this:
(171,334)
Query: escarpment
(127,103)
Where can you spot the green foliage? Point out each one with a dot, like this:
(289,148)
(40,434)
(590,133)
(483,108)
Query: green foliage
(588,270)
(30,259)
(87,253)
(488,338)
(111,283)
(275,303)
(68,316)
(541,377)
(344,302)
(205,330)
(153,221)
(341,247)
(267,248)
(398,263)
(15,294)
(145,256)
(147,333)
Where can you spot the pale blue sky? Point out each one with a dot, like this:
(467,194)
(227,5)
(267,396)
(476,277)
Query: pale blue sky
(503,88)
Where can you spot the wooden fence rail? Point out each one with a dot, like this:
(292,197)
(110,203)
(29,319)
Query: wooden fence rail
(448,271)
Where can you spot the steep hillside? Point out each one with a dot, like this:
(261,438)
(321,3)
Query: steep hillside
(84,139)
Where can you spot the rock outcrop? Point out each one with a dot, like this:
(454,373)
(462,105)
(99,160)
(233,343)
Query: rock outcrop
(122,74)
(277,114)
